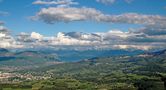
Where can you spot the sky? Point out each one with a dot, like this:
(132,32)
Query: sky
(116,23)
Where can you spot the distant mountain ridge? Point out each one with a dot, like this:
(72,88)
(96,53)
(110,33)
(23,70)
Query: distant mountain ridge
(70,55)
(2,50)
(25,60)
(157,53)
(76,55)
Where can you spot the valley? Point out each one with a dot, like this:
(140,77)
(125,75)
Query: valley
(146,71)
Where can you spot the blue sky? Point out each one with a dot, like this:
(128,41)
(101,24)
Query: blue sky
(20,11)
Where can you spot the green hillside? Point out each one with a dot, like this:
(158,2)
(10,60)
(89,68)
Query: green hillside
(140,72)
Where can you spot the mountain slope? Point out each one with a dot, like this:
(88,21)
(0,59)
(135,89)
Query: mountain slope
(78,55)
(108,73)
(156,53)
(26,60)
(3,50)
(141,73)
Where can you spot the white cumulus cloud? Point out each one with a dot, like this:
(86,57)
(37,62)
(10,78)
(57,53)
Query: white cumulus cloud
(59,3)
(53,15)
(37,36)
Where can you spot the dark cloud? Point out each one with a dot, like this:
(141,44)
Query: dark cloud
(152,30)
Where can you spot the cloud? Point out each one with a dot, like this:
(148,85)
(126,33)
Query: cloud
(113,33)
(4,30)
(61,3)
(153,30)
(6,40)
(24,38)
(83,36)
(151,35)
(113,39)
(37,40)
(134,18)
(37,36)
(61,39)
(53,15)
(31,40)
(108,2)
(61,14)
(139,47)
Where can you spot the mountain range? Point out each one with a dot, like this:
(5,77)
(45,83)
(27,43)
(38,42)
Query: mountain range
(124,69)
(65,55)
(29,59)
